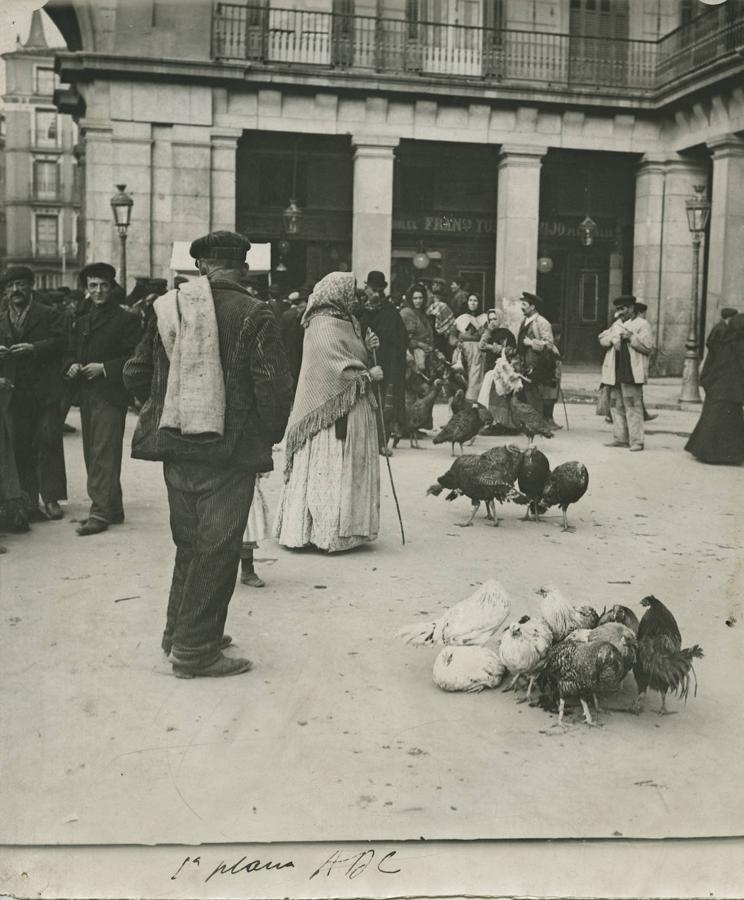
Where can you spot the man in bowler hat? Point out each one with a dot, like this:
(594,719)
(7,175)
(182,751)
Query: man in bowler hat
(33,338)
(537,351)
(210,477)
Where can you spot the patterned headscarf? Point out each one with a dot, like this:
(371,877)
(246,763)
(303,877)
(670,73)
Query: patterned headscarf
(334,295)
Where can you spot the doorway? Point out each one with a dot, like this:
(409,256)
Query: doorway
(585,307)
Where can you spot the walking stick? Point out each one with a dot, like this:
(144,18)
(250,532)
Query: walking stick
(565,411)
(387,458)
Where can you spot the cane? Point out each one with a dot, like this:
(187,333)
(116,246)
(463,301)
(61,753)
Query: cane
(565,411)
(387,458)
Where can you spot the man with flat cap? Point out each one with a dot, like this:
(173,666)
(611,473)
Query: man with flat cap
(213,376)
(33,338)
(102,340)
(537,352)
(629,343)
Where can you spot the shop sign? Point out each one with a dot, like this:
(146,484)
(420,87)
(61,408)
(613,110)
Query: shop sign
(555,228)
(445,224)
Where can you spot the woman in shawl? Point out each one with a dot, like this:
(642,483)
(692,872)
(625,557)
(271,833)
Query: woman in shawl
(495,339)
(331,493)
(470,327)
(719,434)
(419,328)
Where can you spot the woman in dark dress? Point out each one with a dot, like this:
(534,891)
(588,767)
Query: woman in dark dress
(719,434)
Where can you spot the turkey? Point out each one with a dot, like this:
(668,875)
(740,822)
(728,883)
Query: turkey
(567,484)
(464,425)
(662,664)
(418,413)
(620,614)
(532,476)
(453,380)
(582,670)
(471,621)
(620,636)
(562,616)
(468,669)
(483,479)
(528,420)
(523,645)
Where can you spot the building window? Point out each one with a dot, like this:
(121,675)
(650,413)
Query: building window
(45,81)
(46,128)
(47,235)
(46,180)
(589,296)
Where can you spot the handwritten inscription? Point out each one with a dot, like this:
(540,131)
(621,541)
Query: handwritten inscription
(346,865)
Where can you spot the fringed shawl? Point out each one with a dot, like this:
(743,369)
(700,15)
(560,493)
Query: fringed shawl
(334,364)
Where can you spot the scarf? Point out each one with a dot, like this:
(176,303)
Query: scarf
(334,363)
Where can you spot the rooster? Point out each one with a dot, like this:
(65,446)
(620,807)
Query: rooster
(418,413)
(471,621)
(483,479)
(528,420)
(468,669)
(662,665)
(465,424)
(567,484)
(583,670)
(534,470)
(621,614)
(523,645)
(562,616)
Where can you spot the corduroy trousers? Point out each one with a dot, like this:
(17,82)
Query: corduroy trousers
(208,514)
(39,453)
(103,439)
(626,409)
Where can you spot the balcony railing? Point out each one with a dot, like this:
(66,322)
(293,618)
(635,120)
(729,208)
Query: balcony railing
(324,40)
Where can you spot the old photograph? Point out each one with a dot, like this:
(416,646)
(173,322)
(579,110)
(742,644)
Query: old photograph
(371,424)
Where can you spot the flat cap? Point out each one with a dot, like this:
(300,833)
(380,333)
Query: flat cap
(624,300)
(17,273)
(728,312)
(220,245)
(98,270)
(641,307)
(536,301)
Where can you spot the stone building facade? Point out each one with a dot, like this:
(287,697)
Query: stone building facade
(41,184)
(479,132)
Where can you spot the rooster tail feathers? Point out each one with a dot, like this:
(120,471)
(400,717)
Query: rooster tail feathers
(417,635)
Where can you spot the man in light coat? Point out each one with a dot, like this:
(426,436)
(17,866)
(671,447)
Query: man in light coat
(629,342)
(537,352)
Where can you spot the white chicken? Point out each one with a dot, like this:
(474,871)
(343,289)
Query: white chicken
(523,645)
(562,616)
(506,379)
(470,622)
(468,669)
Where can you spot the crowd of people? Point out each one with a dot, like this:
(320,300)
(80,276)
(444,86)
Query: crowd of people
(220,376)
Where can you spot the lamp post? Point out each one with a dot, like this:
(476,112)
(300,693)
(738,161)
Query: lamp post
(121,204)
(698,210)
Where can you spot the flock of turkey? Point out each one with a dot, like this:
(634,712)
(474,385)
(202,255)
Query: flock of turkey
(568,652)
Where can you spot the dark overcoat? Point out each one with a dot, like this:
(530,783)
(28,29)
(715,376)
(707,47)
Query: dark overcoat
(37,376)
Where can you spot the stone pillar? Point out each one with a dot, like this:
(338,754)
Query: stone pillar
(726,252)
(517,220)
(648,230)
(224,158)
(101,243)
(372,222)
(132,165)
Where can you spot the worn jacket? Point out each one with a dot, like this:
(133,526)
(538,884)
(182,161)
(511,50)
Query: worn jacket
(640,345)
(105,335)
(257,388)
(37,375)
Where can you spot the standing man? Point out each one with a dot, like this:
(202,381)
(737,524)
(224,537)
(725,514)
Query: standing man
(629,343)
(293,333)
(639,311)
(102,340)
(213,376)
(458,297)
(33,338)
(537,352)
(379,315)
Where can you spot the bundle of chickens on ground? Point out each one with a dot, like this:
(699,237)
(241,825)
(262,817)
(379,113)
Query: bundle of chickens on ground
(492,475)
(568,652)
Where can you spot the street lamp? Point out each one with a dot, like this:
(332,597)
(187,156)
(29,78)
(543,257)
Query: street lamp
(587,230)
(698,211)
(121,204)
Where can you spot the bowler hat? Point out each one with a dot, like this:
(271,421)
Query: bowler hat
(624,300)
(98,270)
(376,281)
(728,312)
(17,273)
(220,245)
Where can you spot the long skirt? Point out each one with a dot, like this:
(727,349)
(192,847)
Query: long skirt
(332,497)
(498,406)
(473,360)
(719,434)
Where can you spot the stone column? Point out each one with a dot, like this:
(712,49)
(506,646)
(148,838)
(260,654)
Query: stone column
(726,252)
(101,243)
(224,158)
(372,221)
(648,231)
(517,220)
(132,165)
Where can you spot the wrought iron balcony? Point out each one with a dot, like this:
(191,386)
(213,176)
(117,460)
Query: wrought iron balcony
(300,39)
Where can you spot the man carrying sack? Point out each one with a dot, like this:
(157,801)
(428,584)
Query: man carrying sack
(213,376)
